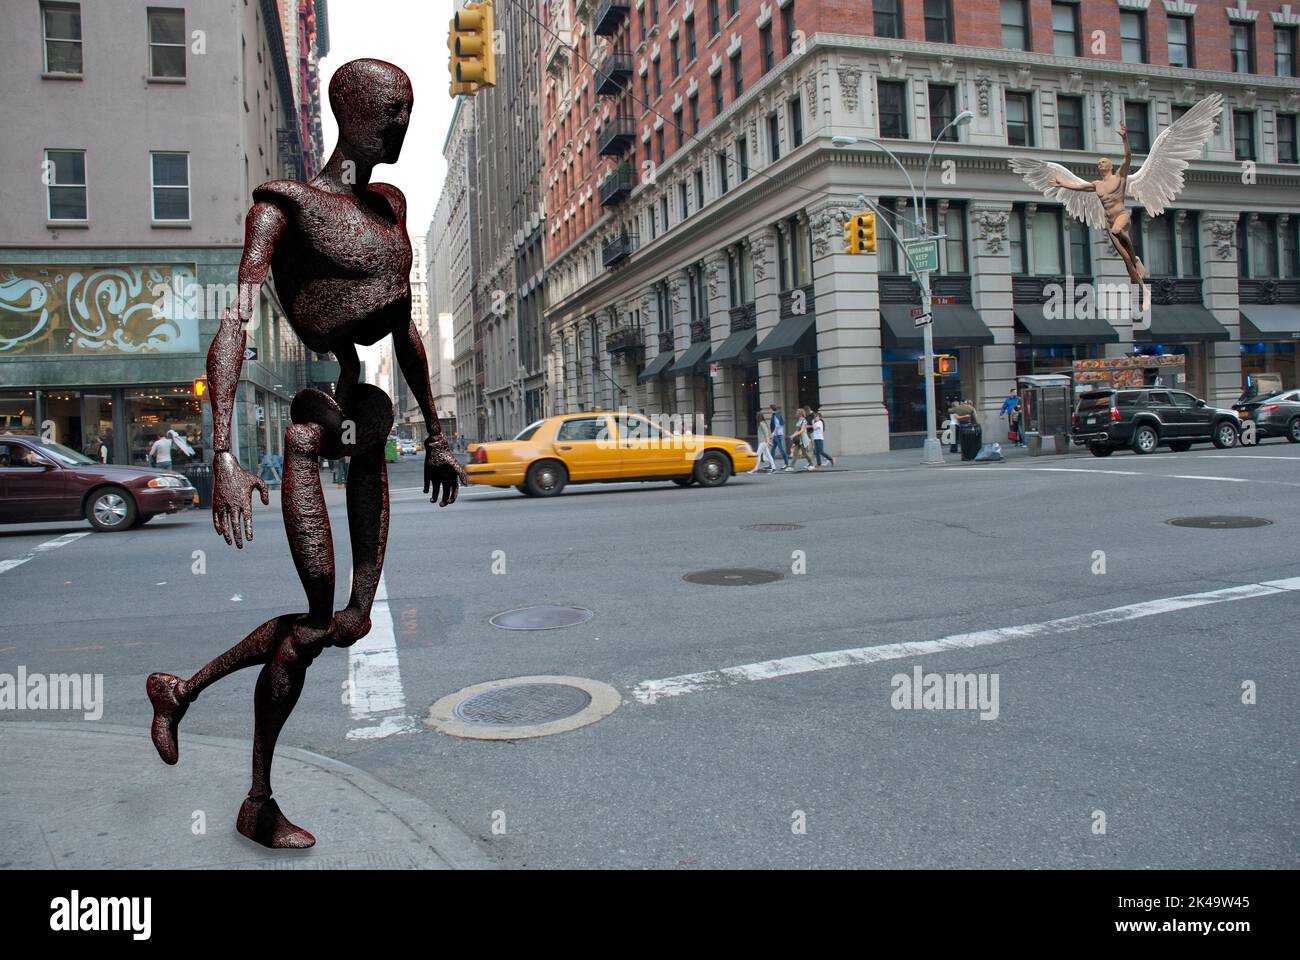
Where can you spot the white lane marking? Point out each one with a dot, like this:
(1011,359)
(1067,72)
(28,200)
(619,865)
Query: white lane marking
(651,691)
(1190,476)
(1245,456)
(374,679)
(63,541)
(1118,473)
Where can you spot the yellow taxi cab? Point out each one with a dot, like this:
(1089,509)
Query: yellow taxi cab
(600,447)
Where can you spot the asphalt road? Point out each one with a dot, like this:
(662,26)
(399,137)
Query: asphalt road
(1136,717)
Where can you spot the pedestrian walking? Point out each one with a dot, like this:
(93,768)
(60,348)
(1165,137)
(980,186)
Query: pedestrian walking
(819,438)
(799,444)
(160,453)
(778,436)
(764,436)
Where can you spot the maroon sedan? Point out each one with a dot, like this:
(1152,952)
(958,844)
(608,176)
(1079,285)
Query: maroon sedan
(42,481)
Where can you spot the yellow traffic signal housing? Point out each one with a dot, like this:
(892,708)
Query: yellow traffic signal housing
(860,233)
(473,60)
(868,231)
(945,364)
(200,388)
(851,234)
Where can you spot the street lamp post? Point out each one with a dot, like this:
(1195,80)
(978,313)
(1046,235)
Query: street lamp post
(932,453)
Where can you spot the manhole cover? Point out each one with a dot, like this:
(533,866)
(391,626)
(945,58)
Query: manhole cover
(733,577)
(523,705)
(542,617)
(773,527)
(1219,523)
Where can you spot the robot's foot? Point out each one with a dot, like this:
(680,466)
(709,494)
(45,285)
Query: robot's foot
(168,708)
(260,820)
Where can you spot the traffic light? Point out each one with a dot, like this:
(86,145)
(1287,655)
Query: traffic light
(200,388)
(945,365)
(860,233)
(473,61)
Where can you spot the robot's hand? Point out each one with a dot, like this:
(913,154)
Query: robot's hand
(232,499)
(442,470)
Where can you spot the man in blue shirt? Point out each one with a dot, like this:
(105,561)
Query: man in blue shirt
(778,435)
(1011,410)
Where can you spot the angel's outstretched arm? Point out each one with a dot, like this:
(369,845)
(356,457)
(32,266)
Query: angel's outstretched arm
(1083,186)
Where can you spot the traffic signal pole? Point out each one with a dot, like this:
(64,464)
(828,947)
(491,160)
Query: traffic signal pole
(932,455)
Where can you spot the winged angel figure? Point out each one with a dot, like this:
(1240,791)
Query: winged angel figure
(1100,203)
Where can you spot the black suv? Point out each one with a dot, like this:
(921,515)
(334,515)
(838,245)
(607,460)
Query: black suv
(1143,419)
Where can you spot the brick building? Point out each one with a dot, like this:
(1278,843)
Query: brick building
(701,157)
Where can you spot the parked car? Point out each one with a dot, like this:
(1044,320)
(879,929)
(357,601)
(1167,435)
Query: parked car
(42,481)
(1248,401)
(1277,416)
(1143,419)
(605,448)
(407,447)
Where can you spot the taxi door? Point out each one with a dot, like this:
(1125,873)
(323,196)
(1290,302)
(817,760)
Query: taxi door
(648,451)
(588,447)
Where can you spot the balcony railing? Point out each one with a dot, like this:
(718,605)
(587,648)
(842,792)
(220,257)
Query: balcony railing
(617,185)
(1038,289)
(616,136)
(700,331)
(744,317)
(609,15)
(617,248)
(1269,290)
(613,74)
(624,340)
(901,288)
(665,341)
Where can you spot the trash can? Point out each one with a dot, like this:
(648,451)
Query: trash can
(970,437)
(200,475)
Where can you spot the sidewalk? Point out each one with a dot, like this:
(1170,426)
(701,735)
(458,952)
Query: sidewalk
(92,796)
(911,457)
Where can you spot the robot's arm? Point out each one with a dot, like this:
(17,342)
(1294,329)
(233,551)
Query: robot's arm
(441,468)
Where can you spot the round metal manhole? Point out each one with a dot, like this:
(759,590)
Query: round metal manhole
(523,707)
(733,577)
(541,617)
(1219,523)
(773,527)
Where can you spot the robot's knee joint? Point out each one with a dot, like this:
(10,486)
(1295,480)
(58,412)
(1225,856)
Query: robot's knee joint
(304,438)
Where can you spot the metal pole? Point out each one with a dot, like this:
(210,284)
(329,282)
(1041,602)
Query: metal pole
(933,452)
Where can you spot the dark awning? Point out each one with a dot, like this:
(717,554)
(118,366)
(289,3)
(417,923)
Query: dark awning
(1272,322)
(1172,322)
(797,334)
(695,354)
(730,350)
(955,325)
(655,368)
(1068,330)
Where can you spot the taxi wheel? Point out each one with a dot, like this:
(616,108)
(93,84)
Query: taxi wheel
(546,478)
(712,470)
(111,509)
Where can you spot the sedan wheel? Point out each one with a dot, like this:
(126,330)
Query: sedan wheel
(111,509)
(1293,430)
(1145,439)
(546,479)
(712,470)
(1225,435)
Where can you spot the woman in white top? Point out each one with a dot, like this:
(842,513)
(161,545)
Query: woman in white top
(764,446)
(819,438)
(801,439)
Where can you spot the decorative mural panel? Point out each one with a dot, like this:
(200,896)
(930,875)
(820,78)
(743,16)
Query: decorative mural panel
(70,309)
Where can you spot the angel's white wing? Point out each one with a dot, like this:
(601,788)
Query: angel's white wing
(1082,205)
(1161,178)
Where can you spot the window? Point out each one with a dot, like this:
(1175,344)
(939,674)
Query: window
(954,245)
(583,429)
(677,56)
(1241,41)
(1020,123)
(1243,134)
(737,78)
(699,189)
(695,114)
(663,307)
(891,98)
(1137,117)
(1015,25)
(1133,37)
(1080,254)
(715,23)
(62,29)
(683,200)
(689,26)
(1284,50)
(1286,138)
(1069,122)
(1189,241)
(659,85)
(938,21)
(717,94)
(659,137)
(733,8)
(796,123)
(769,55)
(888,18)
(1016,241)
(1180,42)
(66,193)
(1049,238)
(677,125)
(774,137)
(723,183)
(742,157)
(1263,246)
(746,268)
(1065,30)
(943,108)
(171,186)
(663,212)
(166,43)
(787,26)
(653,222)
(1159,245)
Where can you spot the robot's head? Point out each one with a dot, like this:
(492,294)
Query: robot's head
(372,101)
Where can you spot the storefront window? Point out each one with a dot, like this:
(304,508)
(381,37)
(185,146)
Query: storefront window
(1279,358)
(152,411)
(18,411)
(809,387)
(1051,357)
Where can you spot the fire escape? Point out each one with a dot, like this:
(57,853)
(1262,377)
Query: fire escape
(613,78)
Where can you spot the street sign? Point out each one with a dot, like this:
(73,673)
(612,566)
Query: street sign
(918,312)
(923,319)
(923,253)
(250,353)
(942,301)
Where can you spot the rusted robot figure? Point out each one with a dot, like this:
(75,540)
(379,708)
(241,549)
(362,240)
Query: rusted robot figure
(341,260)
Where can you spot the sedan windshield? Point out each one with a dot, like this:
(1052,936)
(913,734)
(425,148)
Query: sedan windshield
(63,455)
